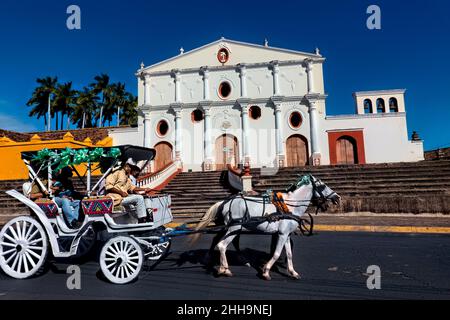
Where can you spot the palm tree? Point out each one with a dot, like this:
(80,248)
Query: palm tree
(40,98)
(64,101)
(102,86)
(129,114)
(118,98)
(84,111)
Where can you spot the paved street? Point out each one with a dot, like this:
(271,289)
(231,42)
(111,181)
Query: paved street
(332,266)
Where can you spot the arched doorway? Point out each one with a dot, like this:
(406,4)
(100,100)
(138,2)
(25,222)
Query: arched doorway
(297,151)
(163,156)
(227,151)
(346,151)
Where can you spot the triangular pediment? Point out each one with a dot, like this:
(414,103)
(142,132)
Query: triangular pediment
(230,51)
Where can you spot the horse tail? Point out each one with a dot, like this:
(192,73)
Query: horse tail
(205,221)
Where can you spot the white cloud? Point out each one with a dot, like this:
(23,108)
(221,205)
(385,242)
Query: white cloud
(12,123)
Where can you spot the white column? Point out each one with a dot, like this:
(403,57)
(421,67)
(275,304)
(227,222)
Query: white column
(177,79)
(310,73)
(147,130)
(147,89)
(276,78)
(278,130)
(205,72)
(243,76)
(244,108)
(178,129)
(314,127)
(279,135)
(207,140)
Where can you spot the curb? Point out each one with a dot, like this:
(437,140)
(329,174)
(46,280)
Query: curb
(372,229)
(386,229)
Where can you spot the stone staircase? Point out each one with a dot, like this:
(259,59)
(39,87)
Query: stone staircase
(194,192)
(422,187)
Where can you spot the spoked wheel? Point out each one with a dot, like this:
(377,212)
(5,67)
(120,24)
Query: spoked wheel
(157,249)
(23,247)
(121,260)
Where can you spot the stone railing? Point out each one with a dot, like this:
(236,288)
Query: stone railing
(439,154)
(240,179)
(158,180)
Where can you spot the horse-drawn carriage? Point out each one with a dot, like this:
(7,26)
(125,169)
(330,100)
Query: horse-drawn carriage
(25,241)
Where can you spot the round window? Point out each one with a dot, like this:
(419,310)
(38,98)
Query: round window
(295,120)
(162,128)
(223,55)
(255,112)
(224,90)
(197,115)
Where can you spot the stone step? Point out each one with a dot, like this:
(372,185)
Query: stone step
(383,173)
(362,184)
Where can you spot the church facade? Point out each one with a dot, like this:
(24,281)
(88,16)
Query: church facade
(236,103)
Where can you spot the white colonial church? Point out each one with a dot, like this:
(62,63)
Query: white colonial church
(230,102)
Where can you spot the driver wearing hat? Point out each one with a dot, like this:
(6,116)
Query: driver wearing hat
(118,186)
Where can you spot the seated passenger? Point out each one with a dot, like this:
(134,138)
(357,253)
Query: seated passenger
(37,192)
(119,186)
(66,197)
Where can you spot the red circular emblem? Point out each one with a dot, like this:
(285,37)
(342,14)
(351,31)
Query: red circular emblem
(223,55)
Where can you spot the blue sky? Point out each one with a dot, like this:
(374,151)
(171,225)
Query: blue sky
(410,51)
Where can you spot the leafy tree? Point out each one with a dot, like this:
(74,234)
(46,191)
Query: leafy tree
(39,99)
(102,87)
(85,107)
(64,101)
(129,115)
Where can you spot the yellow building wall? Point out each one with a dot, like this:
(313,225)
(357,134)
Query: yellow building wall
(12,166)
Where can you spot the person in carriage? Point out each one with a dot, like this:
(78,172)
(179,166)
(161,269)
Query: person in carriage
(118,185)
(64,193)
(66,197)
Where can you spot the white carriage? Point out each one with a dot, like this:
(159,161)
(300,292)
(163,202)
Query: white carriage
(27,241)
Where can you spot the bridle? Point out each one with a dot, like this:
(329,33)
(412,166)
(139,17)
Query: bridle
(321,200)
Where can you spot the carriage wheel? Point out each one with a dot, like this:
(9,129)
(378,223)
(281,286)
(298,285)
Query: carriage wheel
(158,249)
(23,247)
(121,260)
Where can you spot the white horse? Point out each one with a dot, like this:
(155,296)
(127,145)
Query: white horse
(252,214)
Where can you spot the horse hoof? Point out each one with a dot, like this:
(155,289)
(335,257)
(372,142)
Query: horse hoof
(225,273)
(266,277)
(295,277)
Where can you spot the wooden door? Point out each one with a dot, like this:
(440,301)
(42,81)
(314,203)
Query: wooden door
(227,152)
(163,155)
(346,151)
(297,151)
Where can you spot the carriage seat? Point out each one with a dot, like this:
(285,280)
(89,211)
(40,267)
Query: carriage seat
(97,206)
(49,207)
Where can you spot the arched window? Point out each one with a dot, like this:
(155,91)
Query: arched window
(197,115)
(255,112)
(393,105)
(381,106)
(368,106)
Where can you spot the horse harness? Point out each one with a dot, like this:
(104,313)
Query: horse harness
(282,213)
